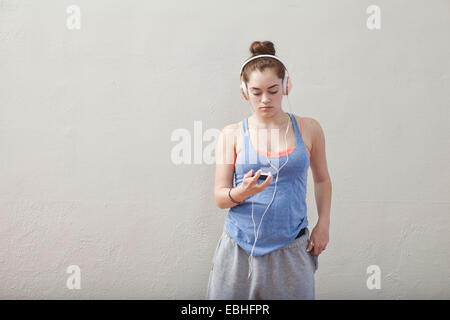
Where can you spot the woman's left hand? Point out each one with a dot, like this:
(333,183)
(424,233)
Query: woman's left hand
(318,239)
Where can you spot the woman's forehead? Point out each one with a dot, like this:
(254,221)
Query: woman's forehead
(259,80)
(258,75)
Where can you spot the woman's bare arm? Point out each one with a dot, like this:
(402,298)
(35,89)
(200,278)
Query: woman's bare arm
(225,158)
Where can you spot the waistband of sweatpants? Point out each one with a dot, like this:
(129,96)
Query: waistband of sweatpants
(297,242)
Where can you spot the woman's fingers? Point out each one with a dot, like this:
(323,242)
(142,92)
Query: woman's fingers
(315,248)
(261,186)
(268,180)
(248,174)
(310,246)
(256,176)
(319,250)
(253,184)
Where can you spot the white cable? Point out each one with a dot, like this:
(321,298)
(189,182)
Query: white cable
(256,233)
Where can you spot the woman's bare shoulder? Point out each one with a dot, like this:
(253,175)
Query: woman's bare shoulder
(308,122)
(232,128)
(232,133)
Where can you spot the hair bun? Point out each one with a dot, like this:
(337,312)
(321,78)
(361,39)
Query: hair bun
(262,47)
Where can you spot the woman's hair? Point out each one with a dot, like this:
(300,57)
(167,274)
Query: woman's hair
(262,47)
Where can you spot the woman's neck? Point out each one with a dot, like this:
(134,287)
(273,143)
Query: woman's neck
(276,120)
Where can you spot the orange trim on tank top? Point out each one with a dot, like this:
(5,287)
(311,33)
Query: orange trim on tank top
(273,153)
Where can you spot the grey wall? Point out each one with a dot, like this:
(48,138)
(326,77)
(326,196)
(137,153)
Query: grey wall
(87,175)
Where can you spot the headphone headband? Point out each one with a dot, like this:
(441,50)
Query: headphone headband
(261,56)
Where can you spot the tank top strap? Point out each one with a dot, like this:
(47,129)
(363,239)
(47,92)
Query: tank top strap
(245,127)
(246,139)
(298,136)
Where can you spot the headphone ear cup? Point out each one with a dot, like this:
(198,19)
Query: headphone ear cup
(285,89)
(244,90)
(289,85)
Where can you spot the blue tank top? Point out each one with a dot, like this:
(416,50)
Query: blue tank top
(286,215)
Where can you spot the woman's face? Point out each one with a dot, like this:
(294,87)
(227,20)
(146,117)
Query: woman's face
(265,90)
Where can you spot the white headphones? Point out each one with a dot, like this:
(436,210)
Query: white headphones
(286,80)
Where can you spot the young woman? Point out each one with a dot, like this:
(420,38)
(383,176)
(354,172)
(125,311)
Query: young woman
(266,250)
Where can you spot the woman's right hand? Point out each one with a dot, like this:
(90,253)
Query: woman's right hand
(250,185)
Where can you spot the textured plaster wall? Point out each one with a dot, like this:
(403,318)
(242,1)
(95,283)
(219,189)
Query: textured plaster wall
(86,118)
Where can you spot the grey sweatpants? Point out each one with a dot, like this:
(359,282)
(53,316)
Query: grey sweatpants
(283,274)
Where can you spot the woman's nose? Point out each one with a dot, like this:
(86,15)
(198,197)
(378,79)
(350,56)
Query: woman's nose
(265,97)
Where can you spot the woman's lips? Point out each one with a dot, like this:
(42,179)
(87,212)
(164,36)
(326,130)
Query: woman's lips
(266,107)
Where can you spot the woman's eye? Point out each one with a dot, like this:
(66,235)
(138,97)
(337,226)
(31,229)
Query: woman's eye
(257,94)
